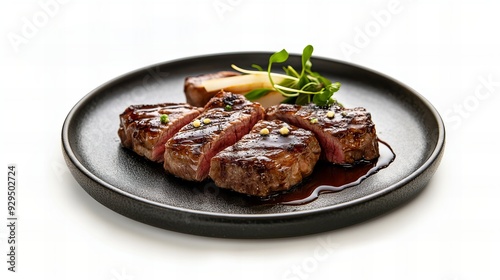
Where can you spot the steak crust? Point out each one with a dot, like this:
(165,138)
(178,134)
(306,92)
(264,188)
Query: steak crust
(142,131)
(260,165)
(346,136)
(227,117)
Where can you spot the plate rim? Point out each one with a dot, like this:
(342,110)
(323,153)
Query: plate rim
(71,155)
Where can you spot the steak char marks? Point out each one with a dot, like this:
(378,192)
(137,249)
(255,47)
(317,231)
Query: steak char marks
(260,165)
(346,136)
(227,117)
(142,131)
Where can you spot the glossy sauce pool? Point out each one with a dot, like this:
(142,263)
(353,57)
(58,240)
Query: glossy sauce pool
(327,178)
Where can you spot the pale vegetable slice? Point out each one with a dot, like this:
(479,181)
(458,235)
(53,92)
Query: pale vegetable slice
(240,84)
(270,99)
(243,84)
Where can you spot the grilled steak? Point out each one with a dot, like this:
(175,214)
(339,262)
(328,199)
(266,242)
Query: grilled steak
(142,130)
(227,117)
(346,136)
(261,164)
(196,94)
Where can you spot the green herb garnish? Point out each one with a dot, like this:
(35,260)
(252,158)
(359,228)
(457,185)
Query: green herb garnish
(164,119)
(301,87)
(228,107)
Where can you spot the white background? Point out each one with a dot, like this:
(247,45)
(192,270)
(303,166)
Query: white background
(54,54)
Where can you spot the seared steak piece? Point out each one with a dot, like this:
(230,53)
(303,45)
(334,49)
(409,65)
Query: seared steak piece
(227,117)
(346,136)
(261,164)
(142,130)
(196,94)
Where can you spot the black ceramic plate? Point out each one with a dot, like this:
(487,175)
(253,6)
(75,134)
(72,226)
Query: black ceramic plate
(139,189)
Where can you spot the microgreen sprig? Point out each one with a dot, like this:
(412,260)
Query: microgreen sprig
(299,88)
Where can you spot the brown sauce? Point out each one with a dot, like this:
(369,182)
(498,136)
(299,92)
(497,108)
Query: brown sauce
(328,178)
